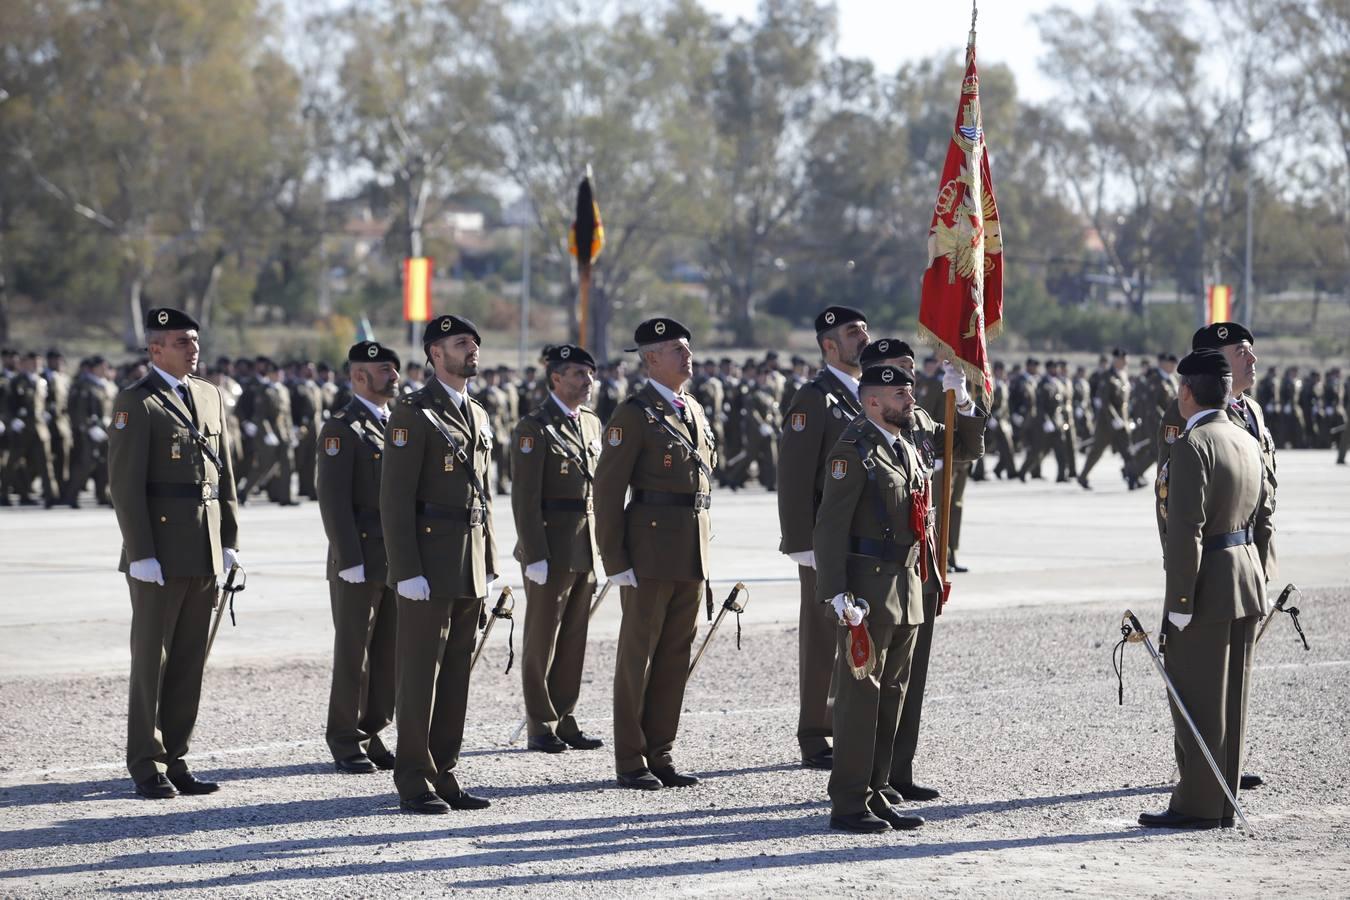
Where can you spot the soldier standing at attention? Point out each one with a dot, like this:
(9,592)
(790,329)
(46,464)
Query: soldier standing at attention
(867,549)
(172,487)
(1213,506)
(554,451)
(659,444)
(307,414)
(818,414)
(436,508)
(350,455)
(30,444)
(1113,421)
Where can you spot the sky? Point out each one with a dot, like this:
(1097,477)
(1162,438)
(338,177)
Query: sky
(890,32)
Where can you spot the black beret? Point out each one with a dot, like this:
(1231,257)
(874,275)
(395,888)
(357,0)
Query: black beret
(1171,357)
(1205,361)
(833,316)
(725,361)
(798,361)
(370,352)
(53,352)
(1033,361)
(885,348)
(885,376)
(448,326)
(655,331)
(165,318)
(1118,353)
(1221,334)
(569,353)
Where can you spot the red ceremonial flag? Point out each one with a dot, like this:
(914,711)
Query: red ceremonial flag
(962,301)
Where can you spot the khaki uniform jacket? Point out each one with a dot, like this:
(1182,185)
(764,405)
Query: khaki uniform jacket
(1214,487)
(28,403)
(665,543)
(1115,405)
(868,492)
(350,456)
(928,437)
(272,412)
(817,416)
(307,406)
(151,451)
(553,458)
(421,467)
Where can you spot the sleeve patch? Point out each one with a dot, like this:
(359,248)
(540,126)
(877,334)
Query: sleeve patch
(120,421)
(332,446)
(799,421)
(614,436)
(400,437)
(838,469)
(526,444)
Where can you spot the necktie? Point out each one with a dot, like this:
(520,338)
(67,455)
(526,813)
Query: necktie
(681,411)
(187,401)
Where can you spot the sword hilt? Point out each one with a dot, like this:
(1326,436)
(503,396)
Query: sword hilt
(1136,632)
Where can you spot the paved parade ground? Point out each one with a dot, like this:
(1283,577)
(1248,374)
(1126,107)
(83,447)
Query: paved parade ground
(1042,774)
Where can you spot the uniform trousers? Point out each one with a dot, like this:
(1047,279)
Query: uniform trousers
(557,617)
(361,699)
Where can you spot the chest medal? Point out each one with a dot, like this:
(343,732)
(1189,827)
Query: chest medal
(449,462)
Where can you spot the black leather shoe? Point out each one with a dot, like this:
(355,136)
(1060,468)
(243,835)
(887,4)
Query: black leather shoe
(156,787)
(890,795)
(582,741)
(1082,483)
(672,779)
(383,760)
(822,760)
(863,822)
(1247,782)
(425,803)
(915,792)
(640,779)
(465,800)
(1169,819)
(953,567)
(356,764)
(190,784)
(547,743)
(894,818)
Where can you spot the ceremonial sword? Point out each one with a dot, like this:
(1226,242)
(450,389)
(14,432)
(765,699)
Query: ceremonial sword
(227,592)
(506,602)
(728,605)
(1289,591)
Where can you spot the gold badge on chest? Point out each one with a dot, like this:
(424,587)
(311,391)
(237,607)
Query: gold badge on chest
(175,449)
(449,462)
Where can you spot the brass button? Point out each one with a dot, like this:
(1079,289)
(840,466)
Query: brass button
(428,529)
(363,534)
(653,524)
(878,569)
(377,456)
(1183,599)
(164,518)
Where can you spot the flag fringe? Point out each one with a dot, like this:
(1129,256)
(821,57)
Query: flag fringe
(943,350)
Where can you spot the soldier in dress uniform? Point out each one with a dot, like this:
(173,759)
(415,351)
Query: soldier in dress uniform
(554,451)
(659,444)
(1046,425)
(1213,512)
(999,431)
(58,418)
(91,408)
(307,414)
(1293,429)
(30,445)
(172,487)
(1113,421)
(436,509)
(818,414)
(273,429)
(351,449)
(1022,409)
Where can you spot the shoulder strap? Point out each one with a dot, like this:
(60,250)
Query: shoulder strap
(192,429)
(660,420)
(557,440)
(824,383)
(459,453)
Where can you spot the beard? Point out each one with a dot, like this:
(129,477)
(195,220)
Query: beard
(899,418)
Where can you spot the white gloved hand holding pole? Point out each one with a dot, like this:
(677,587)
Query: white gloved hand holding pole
(146,570)
(537,571)
(954,379)
(415,588)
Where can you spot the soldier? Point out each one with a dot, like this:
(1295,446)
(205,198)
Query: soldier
(928,438)
(1268,396)
(91,408)
(708,389)
(58,418)
(350,457)
(1158,393)
(1213,508)
(999,431)
(659,444)
(8,366)
(1046,425)
(759,431)
(819,412)
(1066,449)
(494,400)
(1113,426)
(172,487)
(30,447)
(1022,409)
(307,414)
(554,450)
(1083,410)
(1310,405)
(436,510)
(1293,432)
(868,542)
(1329,404)
(274,428)
(931,397)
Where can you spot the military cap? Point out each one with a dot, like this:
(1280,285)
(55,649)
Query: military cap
(1171,357)
(53,353)
(885,348)
(29,354)
(569,353)
(798,361)
(448,326)
(1118,353)
(833,316)
(655,331)
(372,352)
(885,376)
(1221,334)
(1033,361)
(164,318)
(1205,361)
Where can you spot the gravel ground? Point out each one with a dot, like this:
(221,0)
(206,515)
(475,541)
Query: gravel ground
(1042,776)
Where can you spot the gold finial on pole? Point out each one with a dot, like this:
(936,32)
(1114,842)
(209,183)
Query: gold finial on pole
(974,14)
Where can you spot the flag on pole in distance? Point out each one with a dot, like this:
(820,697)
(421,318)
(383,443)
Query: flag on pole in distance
(586,238)
(417,289)
(962,301)
(1220,303)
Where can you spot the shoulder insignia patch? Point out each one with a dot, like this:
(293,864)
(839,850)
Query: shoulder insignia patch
(400,436)
(1171,433)
(838,468)
(332,446)
(798,421)
(614,435)
(120,421)
(526,444)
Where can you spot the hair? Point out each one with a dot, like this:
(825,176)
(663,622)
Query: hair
(1209,390)
(831,334)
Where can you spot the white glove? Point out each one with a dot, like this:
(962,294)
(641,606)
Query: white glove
(492,579)
(250,429)
(415,588)
(1018,420)
(1180,620)
(844,609)
(954,379)
(2,429)
(295,442)
(804,558)
(17,425)
(991,423)
(230,556)
(47,417)
(1096,402)
(97,434)
(271,440)
(1117,423)
(537,571)
(1048,426)
(626,578)
(765,429)
(146,570)
(355,575)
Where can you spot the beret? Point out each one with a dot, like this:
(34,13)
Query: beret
(164,318)
(885,348)
(569,353)
(1205,361)
(885,376)
(372,352)
(833,316)
(1221,334)
(655,331)
(448,326)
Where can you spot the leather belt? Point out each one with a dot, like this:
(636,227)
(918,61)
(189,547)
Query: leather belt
(469,515)
(886,551)
(567,504)
(202,491)
(1224,541)
(698,500)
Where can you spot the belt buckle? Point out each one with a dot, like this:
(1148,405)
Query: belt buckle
(702,500)
(206,491)
(475,515)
